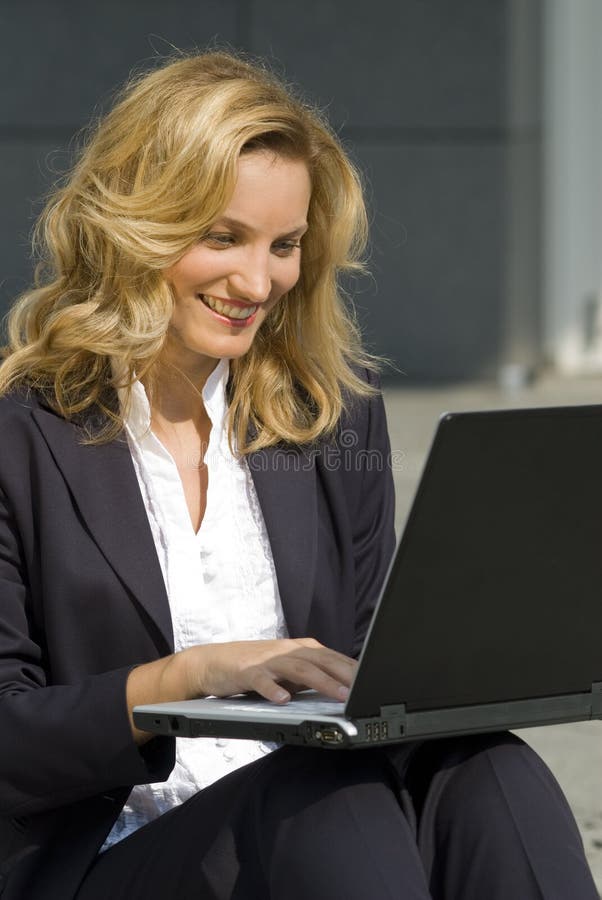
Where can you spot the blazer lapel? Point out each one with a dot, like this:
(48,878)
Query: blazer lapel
(105,489)
(103,483)
(285,481)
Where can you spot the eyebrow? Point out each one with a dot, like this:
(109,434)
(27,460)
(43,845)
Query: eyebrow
(235,223)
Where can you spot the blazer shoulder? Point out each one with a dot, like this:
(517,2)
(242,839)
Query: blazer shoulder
(18,411)
(18,404)
(357,408)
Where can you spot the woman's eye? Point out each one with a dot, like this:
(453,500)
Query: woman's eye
(285,248)
(220,239)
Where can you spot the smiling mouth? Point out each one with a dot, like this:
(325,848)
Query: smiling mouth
(225,309)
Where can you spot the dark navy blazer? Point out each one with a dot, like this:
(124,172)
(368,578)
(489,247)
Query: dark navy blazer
(82,600)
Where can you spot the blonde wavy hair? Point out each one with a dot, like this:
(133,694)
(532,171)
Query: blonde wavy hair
(152,177)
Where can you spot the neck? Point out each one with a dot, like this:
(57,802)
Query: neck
(177,393)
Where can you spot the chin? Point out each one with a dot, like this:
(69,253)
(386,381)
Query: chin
(229,347)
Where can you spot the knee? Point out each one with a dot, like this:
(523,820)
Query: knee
(501,761)
(483,777)
(303,777)
(319,812)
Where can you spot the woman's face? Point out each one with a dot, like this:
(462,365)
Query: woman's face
(226,285)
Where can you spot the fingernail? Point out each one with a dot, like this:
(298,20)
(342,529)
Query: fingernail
(282,695)
(343,692)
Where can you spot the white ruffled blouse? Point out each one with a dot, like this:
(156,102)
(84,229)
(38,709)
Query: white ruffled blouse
(221,582)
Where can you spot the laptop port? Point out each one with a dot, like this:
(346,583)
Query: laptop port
(328,736)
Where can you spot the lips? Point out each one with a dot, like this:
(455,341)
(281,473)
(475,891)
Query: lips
(229,309)
(234,314)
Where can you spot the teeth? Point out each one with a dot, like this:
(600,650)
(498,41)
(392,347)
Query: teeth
(238,312)
(224,309)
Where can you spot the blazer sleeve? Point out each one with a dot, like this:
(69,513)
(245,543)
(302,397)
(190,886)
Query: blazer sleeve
(65,742)
(374,512)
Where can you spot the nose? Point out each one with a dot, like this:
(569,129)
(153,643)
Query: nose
(252,279)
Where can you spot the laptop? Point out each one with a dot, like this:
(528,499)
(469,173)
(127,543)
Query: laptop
(490,616)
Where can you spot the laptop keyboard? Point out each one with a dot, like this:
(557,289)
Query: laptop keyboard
(310,704)
(324,707)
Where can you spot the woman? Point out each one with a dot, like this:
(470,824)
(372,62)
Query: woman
(178,518)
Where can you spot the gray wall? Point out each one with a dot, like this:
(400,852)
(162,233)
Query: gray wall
(423,93)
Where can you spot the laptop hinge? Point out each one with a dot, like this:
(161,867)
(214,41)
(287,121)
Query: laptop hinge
(399,709)
(596,699)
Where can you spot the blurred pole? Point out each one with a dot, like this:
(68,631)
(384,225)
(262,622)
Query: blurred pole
(521,324)
(572,272)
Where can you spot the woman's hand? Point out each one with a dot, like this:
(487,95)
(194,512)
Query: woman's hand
(274,669)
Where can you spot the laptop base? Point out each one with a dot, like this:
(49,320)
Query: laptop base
(394,724)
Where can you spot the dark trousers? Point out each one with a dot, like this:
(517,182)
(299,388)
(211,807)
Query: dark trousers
(472,818)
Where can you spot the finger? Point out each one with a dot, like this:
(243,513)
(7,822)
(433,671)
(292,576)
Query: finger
(339,666)
(305,673)
(263,683)
(310,644)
